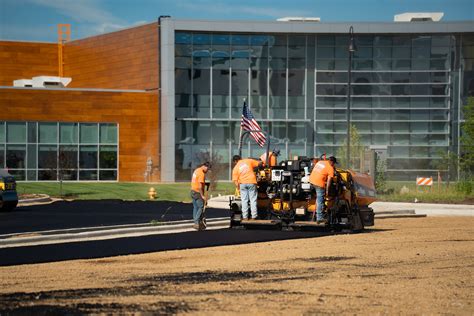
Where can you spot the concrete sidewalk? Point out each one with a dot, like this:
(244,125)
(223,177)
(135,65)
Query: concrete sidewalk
(428,209)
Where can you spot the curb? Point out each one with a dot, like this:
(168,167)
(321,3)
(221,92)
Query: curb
(101,233)
(43,198)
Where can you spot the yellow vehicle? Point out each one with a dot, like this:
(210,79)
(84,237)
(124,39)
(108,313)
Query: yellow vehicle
(286,199)
(8,195)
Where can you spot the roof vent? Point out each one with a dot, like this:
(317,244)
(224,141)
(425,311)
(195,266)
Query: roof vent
(418,17)
(43,82)
(299,19)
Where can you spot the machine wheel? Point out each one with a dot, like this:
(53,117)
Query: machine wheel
(7,206)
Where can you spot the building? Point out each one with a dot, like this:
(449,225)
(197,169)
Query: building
(189,80)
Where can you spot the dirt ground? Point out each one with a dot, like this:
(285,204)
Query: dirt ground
(401,266)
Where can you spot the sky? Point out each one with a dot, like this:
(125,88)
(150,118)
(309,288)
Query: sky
(36,20)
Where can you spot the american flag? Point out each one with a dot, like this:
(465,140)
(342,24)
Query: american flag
(249,123)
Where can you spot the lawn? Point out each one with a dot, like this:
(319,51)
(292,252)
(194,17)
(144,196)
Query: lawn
(442,194)
(180,191)
(116,190)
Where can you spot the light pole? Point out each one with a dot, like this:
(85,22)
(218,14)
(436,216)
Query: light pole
(352,49)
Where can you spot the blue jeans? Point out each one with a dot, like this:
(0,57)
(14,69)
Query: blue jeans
(249,191)
(198,206)
(319,202)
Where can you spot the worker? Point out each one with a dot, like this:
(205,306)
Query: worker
(320,178)
(197,194)
(245,180)
(272,161)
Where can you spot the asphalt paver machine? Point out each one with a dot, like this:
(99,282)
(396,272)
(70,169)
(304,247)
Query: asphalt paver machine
(286,199)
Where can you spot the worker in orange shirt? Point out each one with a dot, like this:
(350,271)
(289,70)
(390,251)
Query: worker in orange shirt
(197,194)
(245,180)
(272,160)
(320,178)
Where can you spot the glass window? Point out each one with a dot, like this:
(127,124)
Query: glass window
(88,175)
(182,38)
(402,127)
(107,175)
(363,52)
(2,132)
(48,133)
(67,157)
(296,107)
(220,106)
(202,105)
(325,40)
(15,156)
(89,133)
(277,107)
(183,62)
(220,39)
(183,51)
(16,132)
(18,174)
(239,39)
(30,175)
(380,139)
(382,52)
(31,161)
(68,133)
(324,52)
(88,157)
(108,157)
(2,156)
(183,81)
(108,133)
(324,127)
(201,39)
(200,62)
(31,132)
(47,157)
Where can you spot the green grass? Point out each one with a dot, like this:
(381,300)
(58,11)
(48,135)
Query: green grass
(117,190)
(180,191)
(443,194)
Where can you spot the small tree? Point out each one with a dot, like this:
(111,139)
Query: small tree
(448,163)
(380,176)
(216,166)
(467,140)
(356,150)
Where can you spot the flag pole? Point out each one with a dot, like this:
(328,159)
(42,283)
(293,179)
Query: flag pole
(240,135)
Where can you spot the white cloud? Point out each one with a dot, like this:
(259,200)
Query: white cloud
(91,17)
(80,10)
(225,9)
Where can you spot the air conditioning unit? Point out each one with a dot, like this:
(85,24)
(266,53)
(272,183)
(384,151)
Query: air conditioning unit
(299,19)
(26,83)
(43,82)
(418,17)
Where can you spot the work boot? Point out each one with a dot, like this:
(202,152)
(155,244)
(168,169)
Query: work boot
(197,226)
(202,225)
(322,221)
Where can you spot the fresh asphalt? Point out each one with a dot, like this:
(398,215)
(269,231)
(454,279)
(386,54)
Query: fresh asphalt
(144,244)
(79,214)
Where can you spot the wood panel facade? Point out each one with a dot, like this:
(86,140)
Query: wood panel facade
(24,60)
(136,114)
(126,59)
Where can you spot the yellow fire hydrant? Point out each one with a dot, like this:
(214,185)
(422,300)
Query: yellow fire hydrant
(152,193)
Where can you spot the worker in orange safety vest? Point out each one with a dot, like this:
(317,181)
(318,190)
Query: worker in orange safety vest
(272,161)
(245,180)
(320,178)
(197,194)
